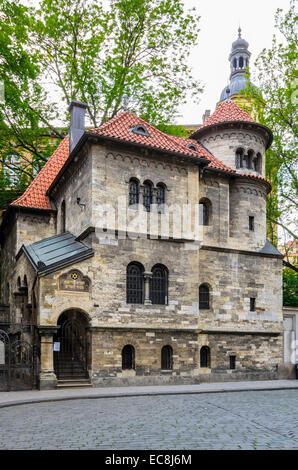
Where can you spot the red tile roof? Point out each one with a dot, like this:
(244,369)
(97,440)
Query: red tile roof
(118,128)
(35,195)
(227,111)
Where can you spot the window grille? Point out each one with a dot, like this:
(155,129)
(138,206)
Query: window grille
(204,297)
(147,196)
(159,285)
(133,192)
(232,362)
(167,358)
(134,284)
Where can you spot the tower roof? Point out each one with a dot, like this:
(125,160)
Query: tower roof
(229,113)
(239,62)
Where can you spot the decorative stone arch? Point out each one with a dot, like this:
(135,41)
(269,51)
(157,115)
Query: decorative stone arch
(72,355)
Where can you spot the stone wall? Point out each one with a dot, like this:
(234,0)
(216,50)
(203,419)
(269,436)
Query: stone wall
(223,143)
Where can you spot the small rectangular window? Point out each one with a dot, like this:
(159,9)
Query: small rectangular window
(232,362)
(251,223)
(252,304)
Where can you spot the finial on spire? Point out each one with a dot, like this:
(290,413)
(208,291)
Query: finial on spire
(239,32)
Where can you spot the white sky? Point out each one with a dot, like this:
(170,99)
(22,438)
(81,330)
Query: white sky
(219,25)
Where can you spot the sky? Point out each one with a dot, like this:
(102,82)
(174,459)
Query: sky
(220,20)
(219,23)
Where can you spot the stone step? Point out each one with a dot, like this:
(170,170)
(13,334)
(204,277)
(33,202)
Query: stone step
(74,383)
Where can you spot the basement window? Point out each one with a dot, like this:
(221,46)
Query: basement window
(252,304)
(232,362)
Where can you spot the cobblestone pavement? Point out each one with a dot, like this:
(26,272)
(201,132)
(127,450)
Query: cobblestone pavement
(239,420)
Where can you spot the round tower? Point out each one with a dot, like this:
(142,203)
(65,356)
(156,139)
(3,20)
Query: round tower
(233,137)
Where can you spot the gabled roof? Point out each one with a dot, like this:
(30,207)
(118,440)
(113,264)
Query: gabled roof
(121,129)
(35,196)
(118,128)
(56,252)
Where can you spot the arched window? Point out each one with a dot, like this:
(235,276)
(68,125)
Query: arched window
(250,156)
(204,211)
(134,283)
(159,285)
(205,357)
(241,63)
(25,281)
(235,63)
(160,197)
(19,282)
(63,217)
(140,130)
(128,357)
(204,297)
(134,192)
(239,158)
(147,195)
(258,163)
(167,358)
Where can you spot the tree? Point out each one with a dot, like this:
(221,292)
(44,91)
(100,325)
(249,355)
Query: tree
(93,52)
(275,101)
(290,287)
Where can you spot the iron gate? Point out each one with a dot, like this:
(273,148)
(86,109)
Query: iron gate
(71,358)
(19,364)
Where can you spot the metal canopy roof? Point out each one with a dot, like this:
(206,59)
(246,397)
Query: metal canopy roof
(269,249)
(56,252)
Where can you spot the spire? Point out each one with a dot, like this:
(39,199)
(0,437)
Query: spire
(239,61)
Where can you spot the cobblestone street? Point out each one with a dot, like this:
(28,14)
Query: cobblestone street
(245,420)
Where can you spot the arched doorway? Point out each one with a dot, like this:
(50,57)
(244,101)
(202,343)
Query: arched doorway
(71,346)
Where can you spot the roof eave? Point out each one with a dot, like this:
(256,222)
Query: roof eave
(201,161)
(202,130)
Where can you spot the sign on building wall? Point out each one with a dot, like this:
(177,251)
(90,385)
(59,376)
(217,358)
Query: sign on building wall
(74,281)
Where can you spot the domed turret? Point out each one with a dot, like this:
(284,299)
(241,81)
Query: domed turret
(239,62)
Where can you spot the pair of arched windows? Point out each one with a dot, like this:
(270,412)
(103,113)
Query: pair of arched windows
(134,194)
(128,357)
(250,161)
(135,284)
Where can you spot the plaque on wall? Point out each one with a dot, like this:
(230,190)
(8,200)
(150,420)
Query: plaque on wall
(74,281)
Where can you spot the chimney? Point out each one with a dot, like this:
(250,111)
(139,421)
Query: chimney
(206,115)
(77,122)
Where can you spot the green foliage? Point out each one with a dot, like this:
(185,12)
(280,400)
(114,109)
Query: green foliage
(172,129)
(290,287)
(275,101)
(93,51)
